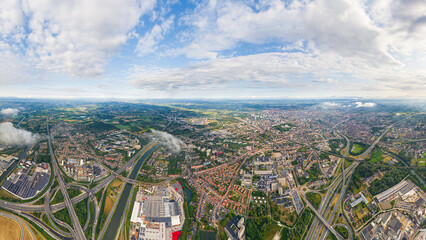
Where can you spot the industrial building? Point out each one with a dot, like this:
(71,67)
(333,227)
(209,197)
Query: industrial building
(158,215)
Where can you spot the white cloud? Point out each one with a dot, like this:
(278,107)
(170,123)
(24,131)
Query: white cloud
(11,19)
(331,104)
(167,140)
(367,104)
(17,69)
(308,71)
(326,80)
(9,135)
(75,37)
(341,26)
(340,42)
(148,43)
(270,68)
(10,111)
(361,48)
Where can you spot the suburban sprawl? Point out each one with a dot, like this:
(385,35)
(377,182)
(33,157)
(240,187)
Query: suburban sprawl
(147,170)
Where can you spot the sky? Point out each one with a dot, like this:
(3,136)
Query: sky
(145,49)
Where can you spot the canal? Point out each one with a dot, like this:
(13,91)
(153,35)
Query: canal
(119,211)
(188,194)
(13,165)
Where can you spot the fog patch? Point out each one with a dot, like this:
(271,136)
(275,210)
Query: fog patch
(9,135)
(171,142)
(367,104)
(9,111)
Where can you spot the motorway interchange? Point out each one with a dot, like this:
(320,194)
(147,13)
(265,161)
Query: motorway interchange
(76,231)
(322,223)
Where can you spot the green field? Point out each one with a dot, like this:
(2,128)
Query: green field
(377,157)
(207,235)
(358,148)
(347,163)
(342,231)
(314,199)
(421,162)
(122,127)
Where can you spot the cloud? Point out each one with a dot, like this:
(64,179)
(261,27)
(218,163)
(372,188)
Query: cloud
(17,69)
(148,43)
(326,80)
(10,111)
(282,70)
(367,104)
(9,135)
(341,26)
(76,37)
(167,140)
(278,69)
(331,104)
(323,43)
(361,48)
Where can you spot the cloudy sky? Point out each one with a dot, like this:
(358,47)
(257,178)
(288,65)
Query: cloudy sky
(212,49)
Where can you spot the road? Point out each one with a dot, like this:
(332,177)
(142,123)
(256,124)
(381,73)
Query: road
(224,197)
(324,221)
(22,224)
(78,230)
(329,194)
(348,229)
(345,176)
(52,218)
(25,207)
(343,190)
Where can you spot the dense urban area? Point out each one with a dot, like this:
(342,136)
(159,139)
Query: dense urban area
(145,170)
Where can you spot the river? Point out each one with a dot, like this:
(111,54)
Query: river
(119,211)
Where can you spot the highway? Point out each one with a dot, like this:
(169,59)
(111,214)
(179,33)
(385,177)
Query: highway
(24,207)
(324,221)
(343,189)
(21,224)
(78,230)
(328,196)
(52,218)
(44,226)
(344,178)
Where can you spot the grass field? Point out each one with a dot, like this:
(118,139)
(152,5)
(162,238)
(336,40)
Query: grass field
(6,195)
(207,235)
(314,199)
(357,149)
(357,190)
(122,127)
(347,163)
(269,235)
(111,194)
(235,196)
(421,162)
(342,231)
(377,157)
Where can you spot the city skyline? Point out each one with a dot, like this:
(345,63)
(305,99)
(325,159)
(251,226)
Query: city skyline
(212,49)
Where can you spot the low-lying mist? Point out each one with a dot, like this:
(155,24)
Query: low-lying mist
(9,135)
